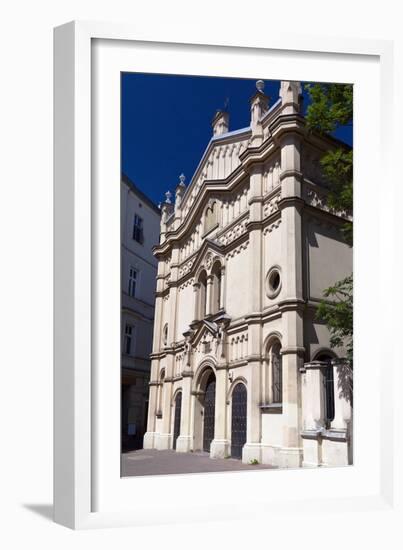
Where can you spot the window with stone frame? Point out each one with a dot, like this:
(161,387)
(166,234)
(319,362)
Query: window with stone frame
(129,339)
(277,373)
(133,281)
(216,289)
(273,386)
(210,217)
(138,230)
(201,295)
(328,387)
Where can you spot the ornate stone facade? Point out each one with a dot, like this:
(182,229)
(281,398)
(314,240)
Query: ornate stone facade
(240,365)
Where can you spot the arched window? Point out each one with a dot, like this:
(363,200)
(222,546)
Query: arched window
(217,281)
(273,374)
(202,292)
(328,385)
(277,373)
(211,217)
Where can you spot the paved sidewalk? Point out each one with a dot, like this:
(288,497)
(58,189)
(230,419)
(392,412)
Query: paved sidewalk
(145,462)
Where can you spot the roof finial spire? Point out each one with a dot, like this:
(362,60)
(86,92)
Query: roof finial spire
(182,179)
(168,196)
(260,86)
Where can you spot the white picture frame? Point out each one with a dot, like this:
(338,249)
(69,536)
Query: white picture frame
(88,490)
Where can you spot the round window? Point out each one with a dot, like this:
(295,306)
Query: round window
(273,282)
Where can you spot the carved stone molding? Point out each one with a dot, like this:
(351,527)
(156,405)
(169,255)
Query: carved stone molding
(237,250)
(272,226)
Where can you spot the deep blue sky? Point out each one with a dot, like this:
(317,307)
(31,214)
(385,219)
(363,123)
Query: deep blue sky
(166,123)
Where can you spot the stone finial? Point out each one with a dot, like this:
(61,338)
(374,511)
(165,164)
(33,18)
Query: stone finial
(182,179)
(260,86)
(220,123)
(168,196)
(259,104)
(180,191)
(291,96)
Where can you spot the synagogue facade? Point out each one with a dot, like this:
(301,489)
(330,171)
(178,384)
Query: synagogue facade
(241,366)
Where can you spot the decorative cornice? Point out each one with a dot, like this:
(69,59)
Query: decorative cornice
(293,350)
(292,304)
(297,174)
(295,201)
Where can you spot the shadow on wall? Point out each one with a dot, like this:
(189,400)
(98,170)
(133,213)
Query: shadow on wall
(345,383)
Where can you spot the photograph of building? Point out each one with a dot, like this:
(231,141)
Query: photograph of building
(241,365)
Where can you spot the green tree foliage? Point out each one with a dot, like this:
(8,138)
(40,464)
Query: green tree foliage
(338,314)
(331,106)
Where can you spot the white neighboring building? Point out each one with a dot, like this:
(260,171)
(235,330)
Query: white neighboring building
(140,228)
(240,365)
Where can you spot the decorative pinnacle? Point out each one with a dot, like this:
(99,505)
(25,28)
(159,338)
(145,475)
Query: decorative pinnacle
(182,179)
(260,86)
(168,196)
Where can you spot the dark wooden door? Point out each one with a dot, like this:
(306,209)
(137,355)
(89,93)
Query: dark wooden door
(209,414)
(177,418)
(238,423)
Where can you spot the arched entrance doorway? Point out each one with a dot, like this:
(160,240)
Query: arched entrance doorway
(238,420)
(177,417)
(209,413)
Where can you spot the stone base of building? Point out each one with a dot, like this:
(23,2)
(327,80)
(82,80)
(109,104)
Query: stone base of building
(326,448)
(163,442)
(251,452)
(312,450)
(270,454)
(183,444)
(290,457)
(149,440)
(335,448)
(220,448)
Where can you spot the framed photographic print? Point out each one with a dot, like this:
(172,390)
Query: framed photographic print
(208,357)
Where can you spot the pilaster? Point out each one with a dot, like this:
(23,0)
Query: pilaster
(208,294)
(220,446)
(163,439)
(252,447)
(184,443)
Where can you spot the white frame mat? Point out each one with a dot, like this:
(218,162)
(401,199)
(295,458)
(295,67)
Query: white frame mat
(88,490)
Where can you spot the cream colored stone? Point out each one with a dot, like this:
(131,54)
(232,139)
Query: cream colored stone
(219,246)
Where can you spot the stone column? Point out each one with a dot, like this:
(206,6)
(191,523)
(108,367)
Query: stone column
(158,308)
(258,107)
(290,206)
(184,443)
(149,436)
(196,289)
(164,439)
(209,293)
(220,446)
(252,448)
(222,287)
